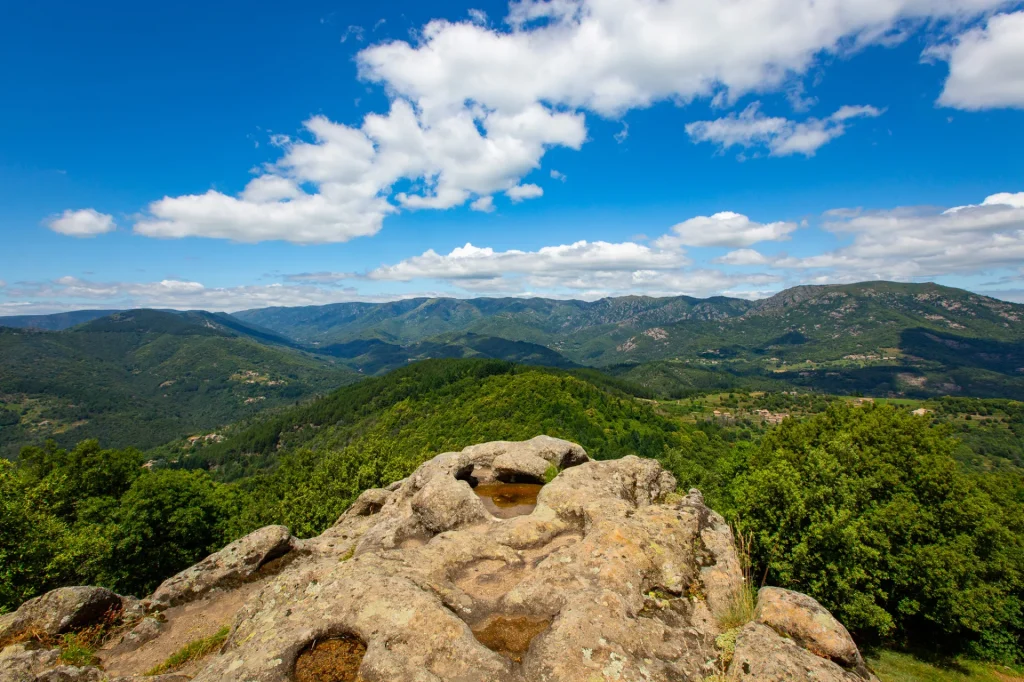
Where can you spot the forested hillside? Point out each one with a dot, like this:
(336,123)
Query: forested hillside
(144,377)
(861,505)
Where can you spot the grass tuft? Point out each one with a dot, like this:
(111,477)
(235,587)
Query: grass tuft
(79,648)
(550,473)
(190,652)
(740,610)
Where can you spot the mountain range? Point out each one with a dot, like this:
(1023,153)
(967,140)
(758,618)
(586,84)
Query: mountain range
(144,377)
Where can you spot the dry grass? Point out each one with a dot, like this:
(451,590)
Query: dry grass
(192,651)
(740,610)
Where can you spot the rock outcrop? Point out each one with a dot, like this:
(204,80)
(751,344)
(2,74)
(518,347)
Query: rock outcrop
(612,576)
(233,565)
(59,611)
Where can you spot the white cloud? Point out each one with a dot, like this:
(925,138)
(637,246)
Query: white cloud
(623,134)
(471,262)
(353,170)
(725,229)
(354,32)
(910,242)
(83,223)
(557,175)
(780,136)
(70,293)
(521,192)
(474,108)
(986,65)
(478,17)
(609,57)
(483,204)
(742,257)
(588,269)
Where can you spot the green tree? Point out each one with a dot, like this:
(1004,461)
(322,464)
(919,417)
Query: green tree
(165,522)
(865,509)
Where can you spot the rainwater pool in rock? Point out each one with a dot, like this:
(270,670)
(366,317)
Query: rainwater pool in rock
(505,500)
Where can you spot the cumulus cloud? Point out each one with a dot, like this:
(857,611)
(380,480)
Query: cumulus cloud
(483,204)
(475,106)
(471,262)
(354,169)
(778,135)
(986,65)
(587,269)
(742,257)
(914,242)
(725,229)
(522,192)
(86,222)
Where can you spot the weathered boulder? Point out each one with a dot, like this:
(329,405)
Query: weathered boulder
(444,503)
(808,623)
(510,466)
(762,655)
(59,611)
(555,451)
(231,566)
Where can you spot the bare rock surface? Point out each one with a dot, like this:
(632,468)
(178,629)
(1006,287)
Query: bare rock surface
(19,663)
(612,576)
(808,623)
(229,567)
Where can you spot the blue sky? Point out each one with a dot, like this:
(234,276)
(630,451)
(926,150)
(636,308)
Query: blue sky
(234,155)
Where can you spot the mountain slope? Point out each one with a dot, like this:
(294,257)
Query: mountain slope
(873,337)
(554,323)
(324,452)
(143,377)
(373,356)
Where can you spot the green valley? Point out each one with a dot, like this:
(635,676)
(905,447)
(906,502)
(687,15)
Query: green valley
(144,377)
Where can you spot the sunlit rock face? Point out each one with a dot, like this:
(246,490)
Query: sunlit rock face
(473,569)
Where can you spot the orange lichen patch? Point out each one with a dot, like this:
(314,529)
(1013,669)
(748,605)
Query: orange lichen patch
(510,636)
(331,660)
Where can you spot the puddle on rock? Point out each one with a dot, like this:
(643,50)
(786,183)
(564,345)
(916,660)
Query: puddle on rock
(331,660)
(505,500)
(510,636)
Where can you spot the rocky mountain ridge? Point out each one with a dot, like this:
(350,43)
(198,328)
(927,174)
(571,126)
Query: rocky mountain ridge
(609,575)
